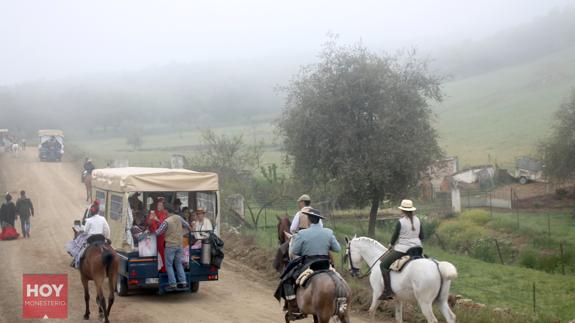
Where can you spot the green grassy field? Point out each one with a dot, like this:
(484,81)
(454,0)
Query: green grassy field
(504,113)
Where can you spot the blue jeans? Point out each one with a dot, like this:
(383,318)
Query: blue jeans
(174,258)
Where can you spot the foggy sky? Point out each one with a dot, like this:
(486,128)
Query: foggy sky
(62,38)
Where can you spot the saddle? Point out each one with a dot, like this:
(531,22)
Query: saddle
(412,254)
(96,239)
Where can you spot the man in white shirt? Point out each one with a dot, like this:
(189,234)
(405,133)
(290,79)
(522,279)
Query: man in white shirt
(97,224)
(300,220)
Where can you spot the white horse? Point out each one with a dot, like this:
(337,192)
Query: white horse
(15,148)
(423,279)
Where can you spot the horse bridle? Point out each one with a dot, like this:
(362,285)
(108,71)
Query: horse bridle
(354,271)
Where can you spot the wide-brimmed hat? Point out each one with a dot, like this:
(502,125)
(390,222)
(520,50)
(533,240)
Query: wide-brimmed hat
(304,198)
(200,209)
(312,212)
(407,205)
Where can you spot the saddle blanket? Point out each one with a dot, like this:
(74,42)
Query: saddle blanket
(77,247)
(306,274)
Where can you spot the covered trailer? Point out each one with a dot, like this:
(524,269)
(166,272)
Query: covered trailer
(113,187)
(51,147)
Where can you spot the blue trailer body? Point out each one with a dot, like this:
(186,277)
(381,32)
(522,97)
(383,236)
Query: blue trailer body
(142,272)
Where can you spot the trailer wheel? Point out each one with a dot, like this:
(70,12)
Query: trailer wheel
(523,180)
(122,286)
(195,286)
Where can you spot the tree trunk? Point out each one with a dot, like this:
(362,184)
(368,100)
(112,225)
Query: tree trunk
(372,217)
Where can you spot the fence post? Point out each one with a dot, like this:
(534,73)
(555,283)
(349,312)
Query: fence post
(534,299)
(549,226)
(499,251)
(265,218)
(562,259)
(490,205)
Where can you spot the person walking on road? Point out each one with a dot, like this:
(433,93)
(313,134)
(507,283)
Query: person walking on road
(24,209)
(8,212)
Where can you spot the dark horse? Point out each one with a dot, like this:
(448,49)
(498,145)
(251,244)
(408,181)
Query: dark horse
(282,257)
(100,260)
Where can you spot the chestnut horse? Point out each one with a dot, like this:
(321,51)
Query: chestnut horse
(87,179)
(99,261)
(282,258)
(325,296)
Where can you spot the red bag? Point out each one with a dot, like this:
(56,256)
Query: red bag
(9,233)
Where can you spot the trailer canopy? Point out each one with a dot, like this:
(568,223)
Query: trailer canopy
(142,179)
(50,133)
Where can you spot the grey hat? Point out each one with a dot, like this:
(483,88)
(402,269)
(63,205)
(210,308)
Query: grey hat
(312,212)
(304,198)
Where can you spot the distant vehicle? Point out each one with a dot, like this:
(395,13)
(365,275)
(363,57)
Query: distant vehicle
(528,169)
(51,146)
(113,188)
(4,138)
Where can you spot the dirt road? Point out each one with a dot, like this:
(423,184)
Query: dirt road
(58,196)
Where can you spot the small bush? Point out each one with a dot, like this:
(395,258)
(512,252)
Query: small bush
(459,235)
(476,216)
(561,193)
(528,258)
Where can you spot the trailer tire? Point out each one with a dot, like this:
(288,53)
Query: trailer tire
(195,286)
(523,180)
(122,286)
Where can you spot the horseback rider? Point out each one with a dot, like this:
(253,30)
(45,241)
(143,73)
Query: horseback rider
(407,235)
(310,246)
(95,225)
(89,166)
(300,221)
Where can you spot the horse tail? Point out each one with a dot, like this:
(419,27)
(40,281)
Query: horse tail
(447,270)
(107,259)
(341,293)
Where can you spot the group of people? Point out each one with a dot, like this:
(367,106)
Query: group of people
(312,242)
(10,211)
(169,225)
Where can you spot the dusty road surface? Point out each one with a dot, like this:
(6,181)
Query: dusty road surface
(58,196)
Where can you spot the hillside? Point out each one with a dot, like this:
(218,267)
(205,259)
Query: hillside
(504,113)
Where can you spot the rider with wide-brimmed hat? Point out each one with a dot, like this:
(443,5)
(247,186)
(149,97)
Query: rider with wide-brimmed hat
(407,235)
(300,220)
(308,245)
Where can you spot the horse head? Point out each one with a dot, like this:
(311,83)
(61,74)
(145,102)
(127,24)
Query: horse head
(352,256)
(284,224)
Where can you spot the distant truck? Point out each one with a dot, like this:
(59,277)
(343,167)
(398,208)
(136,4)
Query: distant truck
(528,169)
(51,146)
(4,137)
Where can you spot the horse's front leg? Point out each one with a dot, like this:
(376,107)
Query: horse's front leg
(374,304)
(86,298)
(399,311)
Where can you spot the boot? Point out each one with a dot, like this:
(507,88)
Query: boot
(293,310)
(387,292)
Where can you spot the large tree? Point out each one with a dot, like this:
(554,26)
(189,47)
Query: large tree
(559,149)
(361,122)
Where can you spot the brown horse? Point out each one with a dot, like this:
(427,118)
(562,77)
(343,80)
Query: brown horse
(87,179)
(99,261)
(282,258)
(325,296)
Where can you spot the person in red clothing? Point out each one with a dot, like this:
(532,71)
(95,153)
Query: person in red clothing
(155,219)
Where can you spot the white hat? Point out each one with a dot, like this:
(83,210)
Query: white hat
(305,198)
(407,205)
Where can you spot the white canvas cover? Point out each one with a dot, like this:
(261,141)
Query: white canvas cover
(50,133)
(143,179)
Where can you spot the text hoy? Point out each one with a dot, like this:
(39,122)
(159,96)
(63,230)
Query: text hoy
(44,290)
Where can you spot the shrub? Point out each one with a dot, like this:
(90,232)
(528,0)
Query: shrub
(480,217)
(459,235)
(528,258)
(561,193)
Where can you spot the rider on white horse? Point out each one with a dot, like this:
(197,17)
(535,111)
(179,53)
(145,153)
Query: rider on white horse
(407,235)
